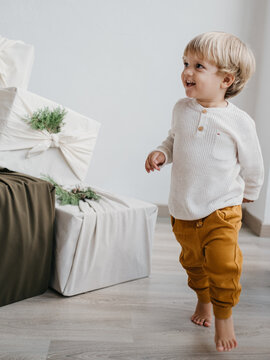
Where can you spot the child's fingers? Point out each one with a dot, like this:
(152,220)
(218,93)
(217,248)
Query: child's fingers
(149,164)
(148,167)
(152,164)
(155,161)
(156,166)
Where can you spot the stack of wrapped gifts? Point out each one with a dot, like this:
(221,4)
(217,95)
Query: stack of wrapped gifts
(100,239)
(27,204)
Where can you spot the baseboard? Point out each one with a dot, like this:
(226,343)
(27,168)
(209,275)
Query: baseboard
(163,210)
(254,224)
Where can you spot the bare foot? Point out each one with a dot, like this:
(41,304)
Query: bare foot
(202,315)
(225,337)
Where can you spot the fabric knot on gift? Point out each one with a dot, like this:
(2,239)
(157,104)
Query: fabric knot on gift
(74,140)
(45,140)
(55,140)
(75,147)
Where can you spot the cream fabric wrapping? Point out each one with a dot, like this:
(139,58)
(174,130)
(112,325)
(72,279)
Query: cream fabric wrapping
(74,147)
(16,61)
(102,243)
(64,156)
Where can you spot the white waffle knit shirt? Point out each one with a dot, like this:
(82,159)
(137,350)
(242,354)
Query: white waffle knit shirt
(216,159)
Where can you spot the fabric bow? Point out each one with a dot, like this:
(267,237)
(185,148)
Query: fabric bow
(76,147)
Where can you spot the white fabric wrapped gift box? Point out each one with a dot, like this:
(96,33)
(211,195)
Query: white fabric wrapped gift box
(98,243)
(65,156)
(102,243)
(16,61)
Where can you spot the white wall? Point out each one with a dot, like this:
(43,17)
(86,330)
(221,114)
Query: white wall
(119,62)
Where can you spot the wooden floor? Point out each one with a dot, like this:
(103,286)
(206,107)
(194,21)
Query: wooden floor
(144,319)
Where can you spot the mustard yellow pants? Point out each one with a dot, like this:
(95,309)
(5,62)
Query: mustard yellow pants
(212,258)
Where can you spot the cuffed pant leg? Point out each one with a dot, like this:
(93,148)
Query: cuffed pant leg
(223,259)
(191,257)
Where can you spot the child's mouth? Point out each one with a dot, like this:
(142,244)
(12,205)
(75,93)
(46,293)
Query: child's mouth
(190,83)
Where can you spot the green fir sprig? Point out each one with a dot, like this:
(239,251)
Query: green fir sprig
(73,196)
(47,119)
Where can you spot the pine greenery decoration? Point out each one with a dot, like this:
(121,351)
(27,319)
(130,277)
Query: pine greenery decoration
(47,119)
(73,196)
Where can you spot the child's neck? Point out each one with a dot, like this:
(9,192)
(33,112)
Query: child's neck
(212,103)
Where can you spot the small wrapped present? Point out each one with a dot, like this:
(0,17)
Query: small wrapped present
(102,243)
(16,61)
(27,214)
(63,152)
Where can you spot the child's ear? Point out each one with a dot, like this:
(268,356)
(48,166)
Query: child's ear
(228,80)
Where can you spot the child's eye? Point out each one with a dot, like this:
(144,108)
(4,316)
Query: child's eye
(199,66)
(185,64)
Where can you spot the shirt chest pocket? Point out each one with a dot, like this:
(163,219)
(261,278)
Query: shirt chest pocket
(224,146)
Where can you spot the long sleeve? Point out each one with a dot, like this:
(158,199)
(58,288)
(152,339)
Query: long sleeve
(251,161)
(167,147)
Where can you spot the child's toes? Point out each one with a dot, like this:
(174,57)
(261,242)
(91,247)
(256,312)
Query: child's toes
(220,346)
(206,323)
(196,320)
(227,345)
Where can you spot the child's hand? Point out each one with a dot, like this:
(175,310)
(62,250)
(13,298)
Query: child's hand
(247,201)
(154,160)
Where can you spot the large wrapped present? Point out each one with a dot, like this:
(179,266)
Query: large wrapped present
(102,243)
(16,61)
(64,155)
(97,243)
(27,214)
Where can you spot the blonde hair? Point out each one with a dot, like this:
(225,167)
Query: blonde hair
(228,53)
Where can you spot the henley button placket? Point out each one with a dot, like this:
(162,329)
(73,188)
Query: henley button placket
(201,127)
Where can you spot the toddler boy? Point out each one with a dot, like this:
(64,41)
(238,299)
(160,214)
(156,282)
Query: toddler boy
(216,165)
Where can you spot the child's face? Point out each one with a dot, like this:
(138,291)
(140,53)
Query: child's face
(202,80)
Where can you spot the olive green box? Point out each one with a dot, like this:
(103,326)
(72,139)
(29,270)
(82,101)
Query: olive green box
(27,213)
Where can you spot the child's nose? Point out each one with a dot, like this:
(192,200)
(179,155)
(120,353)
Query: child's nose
(188,71)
